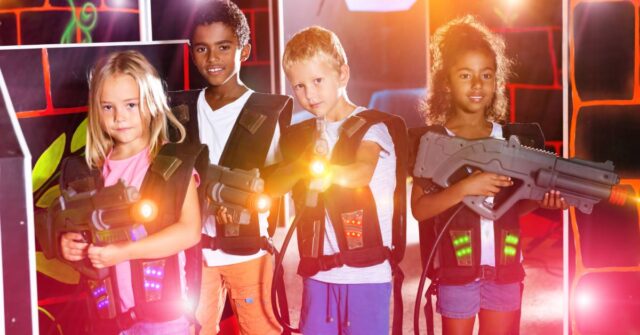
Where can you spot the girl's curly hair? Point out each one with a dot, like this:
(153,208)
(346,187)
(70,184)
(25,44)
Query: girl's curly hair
(450,41)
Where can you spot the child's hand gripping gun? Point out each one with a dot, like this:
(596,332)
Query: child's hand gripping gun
(319,163)
(239,191)
(581,183)
(102,216)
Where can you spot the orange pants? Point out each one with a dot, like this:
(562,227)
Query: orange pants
(249,287)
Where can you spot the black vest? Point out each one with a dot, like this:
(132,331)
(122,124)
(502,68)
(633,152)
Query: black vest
(156,283)
(246,148)
(352,211)
(458,256)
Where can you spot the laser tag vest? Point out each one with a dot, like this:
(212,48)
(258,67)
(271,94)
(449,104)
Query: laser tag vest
(457,259)
(246,148)
(352,211)
(156,283)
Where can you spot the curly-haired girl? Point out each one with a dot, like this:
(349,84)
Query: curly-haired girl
(475,272)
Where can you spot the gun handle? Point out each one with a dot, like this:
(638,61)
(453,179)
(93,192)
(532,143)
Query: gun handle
(86,269)
(479,204)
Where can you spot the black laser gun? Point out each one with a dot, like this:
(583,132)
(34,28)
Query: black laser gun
(582,183)
(102,216)
(239,191)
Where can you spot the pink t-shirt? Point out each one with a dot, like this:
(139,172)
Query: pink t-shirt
(132,171)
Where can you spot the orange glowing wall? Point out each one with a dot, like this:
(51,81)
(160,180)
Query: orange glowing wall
(604,124)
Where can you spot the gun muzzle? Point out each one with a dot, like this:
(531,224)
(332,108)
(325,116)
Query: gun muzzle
(619,195)
(141,212)
(222,194)
(317,168)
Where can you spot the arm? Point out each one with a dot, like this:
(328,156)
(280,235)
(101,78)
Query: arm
(360,172)
(284,176)
(179,236)
(427,205)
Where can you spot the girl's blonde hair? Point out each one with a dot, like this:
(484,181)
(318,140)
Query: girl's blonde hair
(451,41)
(154,108)
(314,41)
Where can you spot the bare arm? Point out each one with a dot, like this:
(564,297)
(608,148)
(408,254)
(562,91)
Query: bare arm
(360,172)
(181,235)
(427,205)
(284,177)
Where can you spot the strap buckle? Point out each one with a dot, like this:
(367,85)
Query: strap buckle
(329,262)
(127,319)
(487,272)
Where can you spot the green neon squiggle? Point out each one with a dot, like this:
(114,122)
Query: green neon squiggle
(86,23)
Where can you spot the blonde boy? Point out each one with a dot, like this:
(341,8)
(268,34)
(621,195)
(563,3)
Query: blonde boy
(345,240)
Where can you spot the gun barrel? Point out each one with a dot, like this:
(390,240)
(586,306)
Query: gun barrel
(222,194)
(246,180)
(140,212)
(564,183)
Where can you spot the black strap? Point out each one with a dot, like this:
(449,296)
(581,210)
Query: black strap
(352,132)
(250,138)
(428,308)
(242,242)
(398,306)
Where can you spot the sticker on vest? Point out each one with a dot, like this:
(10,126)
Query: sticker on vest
(510,240)
(461,240)
(103,297)
(352,223)
(153,274)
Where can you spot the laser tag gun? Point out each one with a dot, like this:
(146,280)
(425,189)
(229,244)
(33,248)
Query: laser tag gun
(239,191)
(445,160)
(102,216)
(319,162)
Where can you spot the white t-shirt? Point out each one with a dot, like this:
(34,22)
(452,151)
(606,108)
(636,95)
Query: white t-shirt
(215,128)
(383,184)
(487,237)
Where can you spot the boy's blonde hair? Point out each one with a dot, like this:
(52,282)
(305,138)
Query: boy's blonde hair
(153,107)
(451,41)
(314,41)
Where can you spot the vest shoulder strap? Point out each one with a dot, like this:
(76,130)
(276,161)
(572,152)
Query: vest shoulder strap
(170,174)
(250,139)
(184,106)
(352,132)
(296,138)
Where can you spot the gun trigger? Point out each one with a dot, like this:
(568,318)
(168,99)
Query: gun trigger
(85,237)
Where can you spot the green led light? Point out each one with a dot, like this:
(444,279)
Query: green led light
(461,240)
(463,252)
(509,251)
(511,239)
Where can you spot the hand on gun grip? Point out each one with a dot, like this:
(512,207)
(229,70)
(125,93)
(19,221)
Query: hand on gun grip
(223,216)
(73,247)
(108,255)
(485,183)
(553,200)
(234,194)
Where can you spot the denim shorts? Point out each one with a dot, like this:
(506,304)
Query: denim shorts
(465,301)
